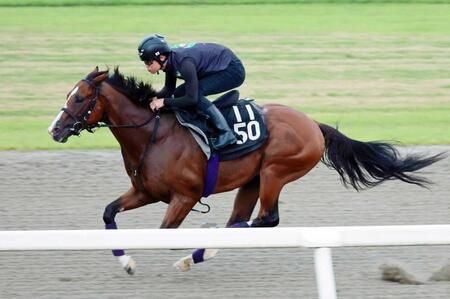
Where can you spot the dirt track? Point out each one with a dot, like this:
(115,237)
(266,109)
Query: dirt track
(69,190)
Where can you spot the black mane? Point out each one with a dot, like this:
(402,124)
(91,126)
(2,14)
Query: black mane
(138,92)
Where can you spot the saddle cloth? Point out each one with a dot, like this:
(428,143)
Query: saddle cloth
(243,116)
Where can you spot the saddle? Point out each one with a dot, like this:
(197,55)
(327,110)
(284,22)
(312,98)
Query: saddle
(244,117)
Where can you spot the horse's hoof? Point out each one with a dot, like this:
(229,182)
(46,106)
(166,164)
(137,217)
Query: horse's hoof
(184,264)
(128,264)
(130,267)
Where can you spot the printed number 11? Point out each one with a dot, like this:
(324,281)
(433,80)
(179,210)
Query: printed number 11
(250,130)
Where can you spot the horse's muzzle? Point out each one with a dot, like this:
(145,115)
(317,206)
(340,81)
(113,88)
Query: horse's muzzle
(59,134)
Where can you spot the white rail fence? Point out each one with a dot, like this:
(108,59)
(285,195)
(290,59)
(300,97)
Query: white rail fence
(320,238)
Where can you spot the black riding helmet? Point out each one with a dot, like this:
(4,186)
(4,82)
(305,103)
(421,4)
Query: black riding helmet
(152,46)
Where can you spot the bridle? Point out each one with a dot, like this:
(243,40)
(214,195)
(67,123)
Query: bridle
(81,124)
(81,120)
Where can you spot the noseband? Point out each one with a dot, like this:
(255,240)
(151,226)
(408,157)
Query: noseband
(81,124)
(81,120)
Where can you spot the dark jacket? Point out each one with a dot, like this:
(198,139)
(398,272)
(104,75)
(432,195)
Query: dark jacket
(192,62)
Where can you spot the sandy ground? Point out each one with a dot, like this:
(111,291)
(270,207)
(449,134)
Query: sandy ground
(69,190)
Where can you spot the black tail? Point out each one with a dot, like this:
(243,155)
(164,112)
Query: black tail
(366,164)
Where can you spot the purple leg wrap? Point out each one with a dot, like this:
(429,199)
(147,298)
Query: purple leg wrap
(197,255)
(111,225)
(116,252)
(240,224)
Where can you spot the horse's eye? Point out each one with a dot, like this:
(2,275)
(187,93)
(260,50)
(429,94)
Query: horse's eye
(78,99)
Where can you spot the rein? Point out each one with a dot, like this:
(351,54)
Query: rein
(147,145)
(81,121)
(81,124)
(104,125)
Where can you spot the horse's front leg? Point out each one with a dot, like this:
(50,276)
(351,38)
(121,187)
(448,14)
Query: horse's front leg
(244,204)
(130,200)
(179,207)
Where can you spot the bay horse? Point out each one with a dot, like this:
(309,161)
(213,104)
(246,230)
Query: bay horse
(165,164)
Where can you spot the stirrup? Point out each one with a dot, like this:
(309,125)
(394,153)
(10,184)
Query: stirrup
(223,140)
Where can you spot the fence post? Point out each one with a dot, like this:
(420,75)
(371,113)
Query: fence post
(323,263)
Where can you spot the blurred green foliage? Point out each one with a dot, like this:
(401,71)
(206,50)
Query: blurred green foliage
(378,70)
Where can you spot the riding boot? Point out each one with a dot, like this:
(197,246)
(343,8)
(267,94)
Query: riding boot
(226,136)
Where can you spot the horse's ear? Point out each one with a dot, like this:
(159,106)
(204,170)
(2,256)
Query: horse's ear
(101,76)
(94,71)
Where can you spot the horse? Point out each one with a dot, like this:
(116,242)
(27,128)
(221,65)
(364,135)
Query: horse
(165,164)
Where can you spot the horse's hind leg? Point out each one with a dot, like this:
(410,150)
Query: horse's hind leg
(130,200)
(244,204)
(273,179)
(269,193)
(275,174)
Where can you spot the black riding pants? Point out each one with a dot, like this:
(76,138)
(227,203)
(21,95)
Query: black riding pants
(214,83)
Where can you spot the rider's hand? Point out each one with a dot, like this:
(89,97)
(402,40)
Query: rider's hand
(156,104)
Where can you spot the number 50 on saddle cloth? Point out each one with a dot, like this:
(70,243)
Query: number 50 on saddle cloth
(244,117)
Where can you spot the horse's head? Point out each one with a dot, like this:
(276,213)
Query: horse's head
(83,110)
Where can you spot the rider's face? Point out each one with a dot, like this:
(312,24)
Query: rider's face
(152,66)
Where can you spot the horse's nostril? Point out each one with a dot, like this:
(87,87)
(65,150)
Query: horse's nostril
(53,130)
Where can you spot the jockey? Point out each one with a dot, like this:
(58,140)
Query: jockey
(206,69)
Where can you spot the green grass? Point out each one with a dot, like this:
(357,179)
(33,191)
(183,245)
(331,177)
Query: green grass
(405,126)
(26,133)
(232,19)
(379,70)
(16,3)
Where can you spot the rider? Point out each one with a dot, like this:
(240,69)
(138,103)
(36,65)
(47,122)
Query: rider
(206,69)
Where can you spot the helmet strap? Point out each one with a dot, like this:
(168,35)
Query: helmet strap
(161,63)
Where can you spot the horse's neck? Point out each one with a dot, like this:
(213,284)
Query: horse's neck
(121,111)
